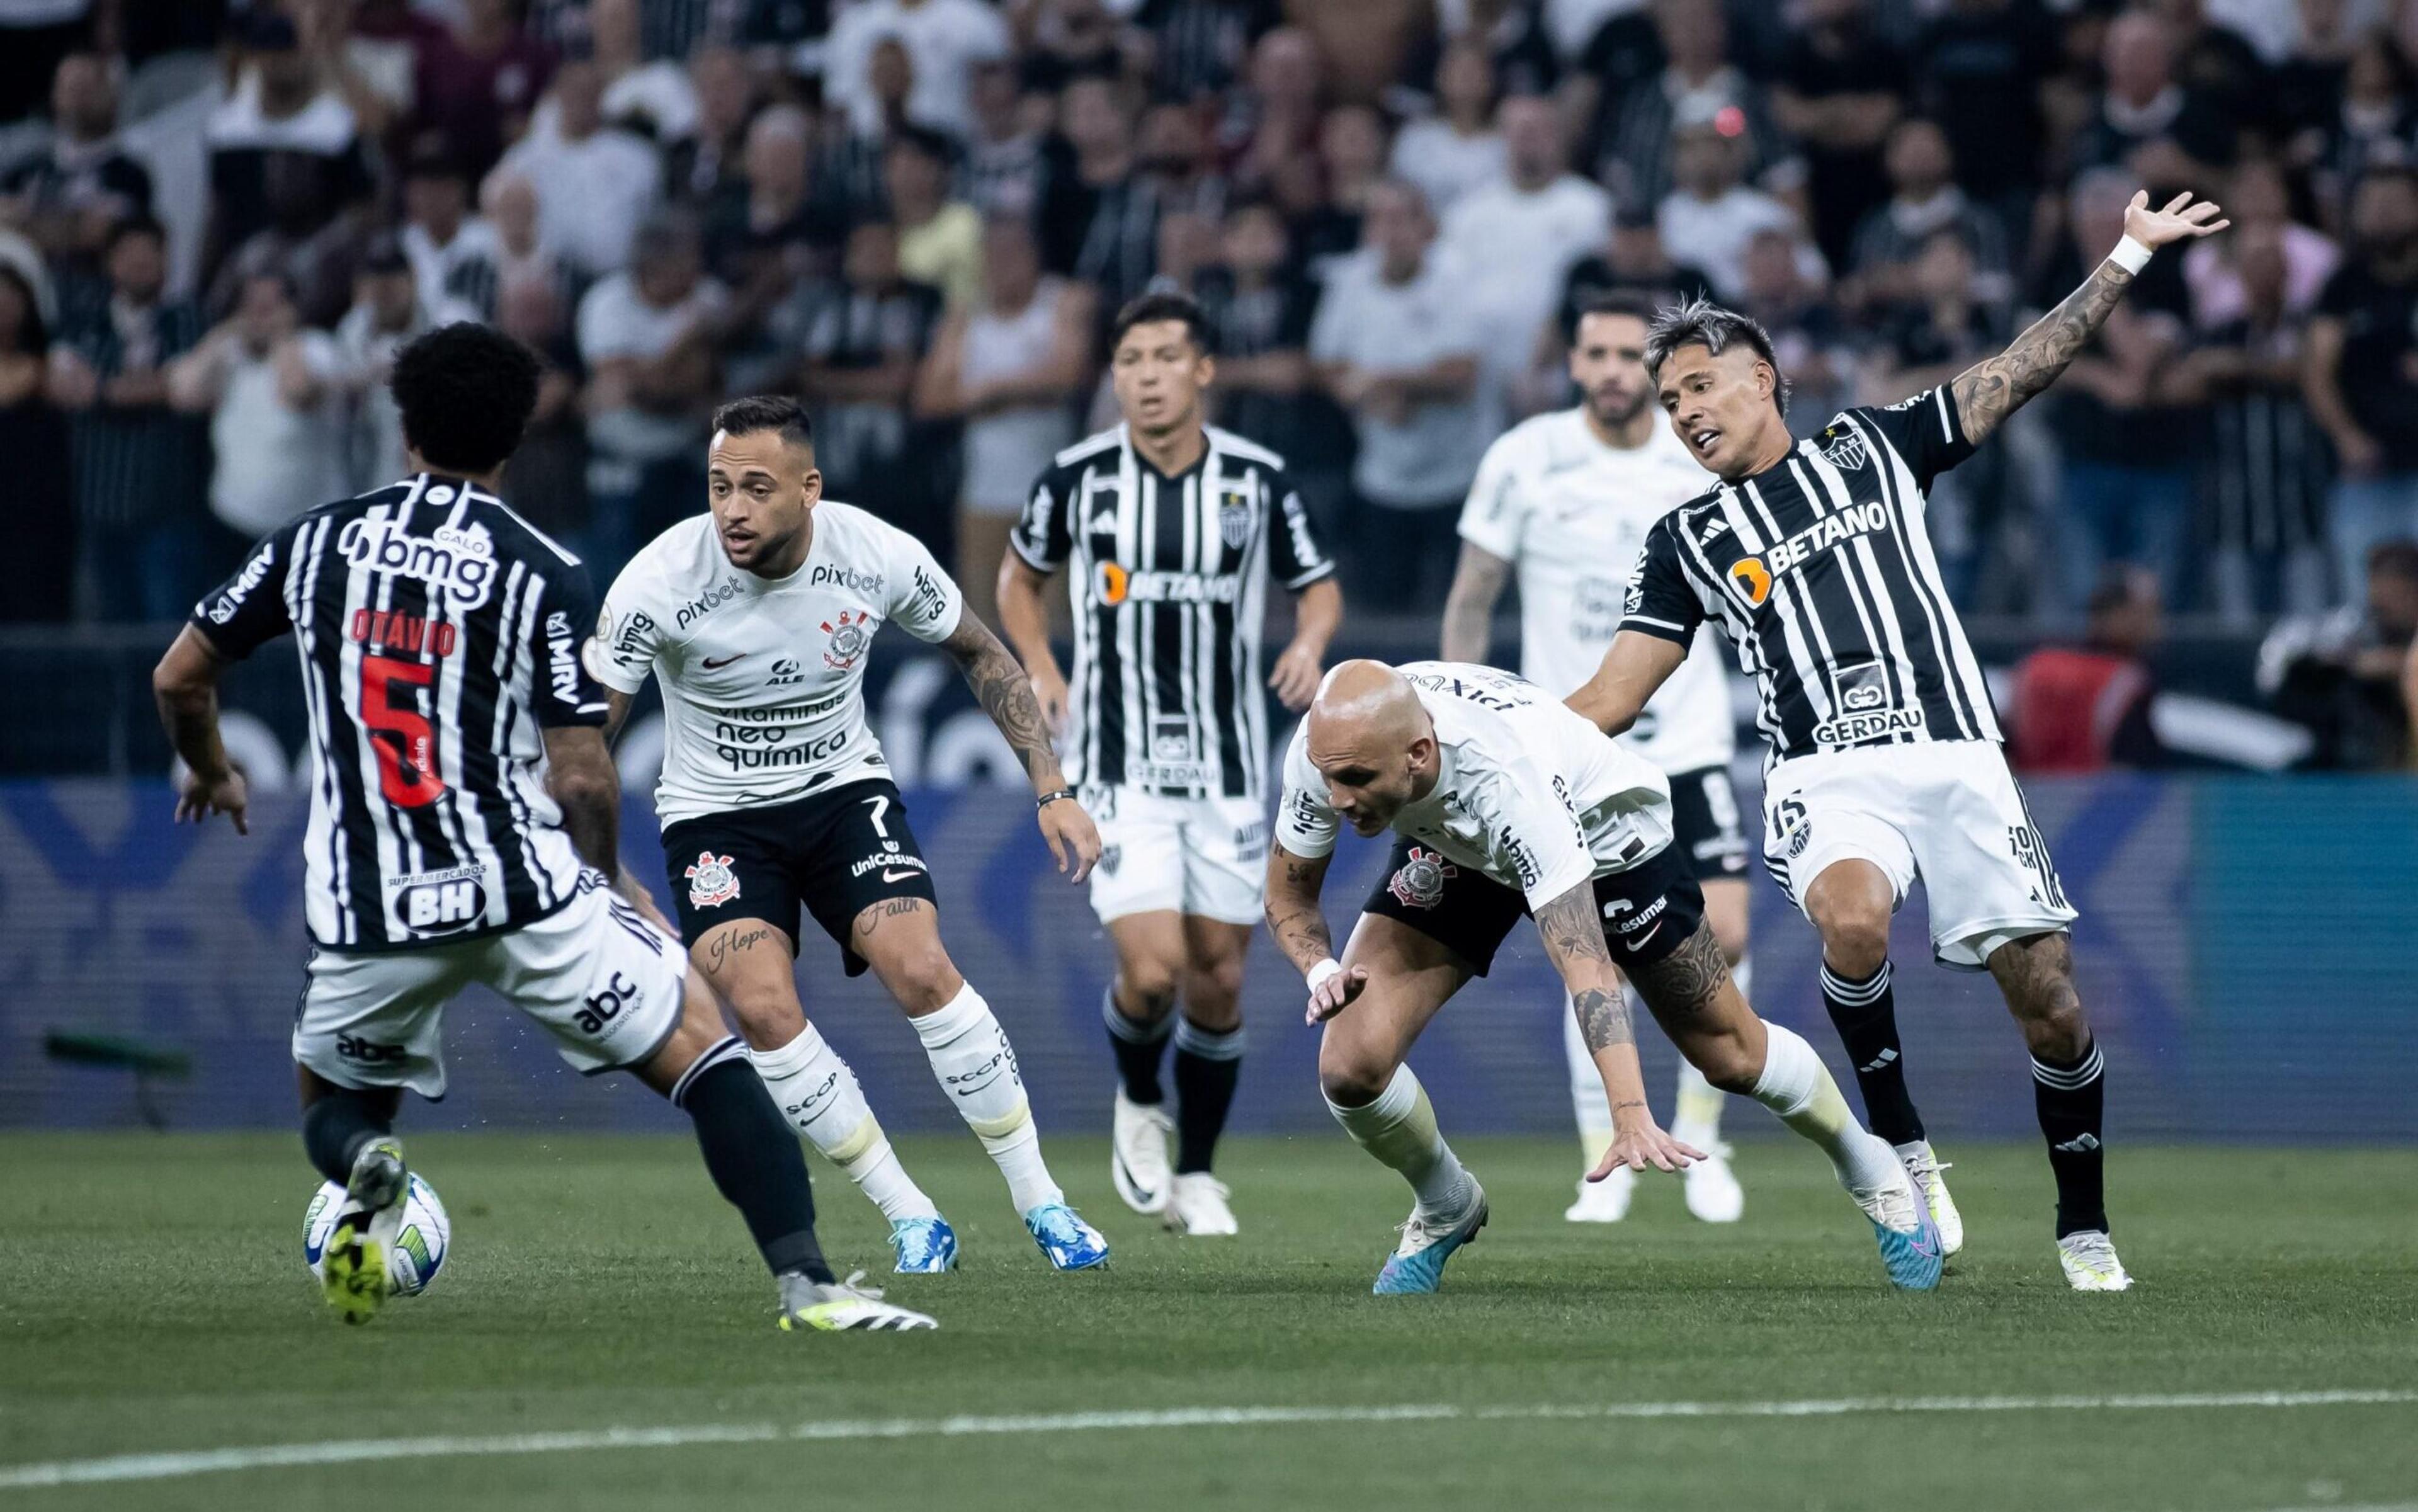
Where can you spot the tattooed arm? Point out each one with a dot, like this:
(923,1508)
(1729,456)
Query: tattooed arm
(1989,392)
(1573,936)
(1007,694)
(1298,925)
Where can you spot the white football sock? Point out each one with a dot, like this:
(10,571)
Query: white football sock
(1399,1129)
(1696,1112)
(1796,1086)
(976,1067)
(821,1097)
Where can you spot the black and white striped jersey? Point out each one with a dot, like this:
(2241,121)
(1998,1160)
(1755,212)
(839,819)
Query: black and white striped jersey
(1168,577)
(1820,570)
(439,635)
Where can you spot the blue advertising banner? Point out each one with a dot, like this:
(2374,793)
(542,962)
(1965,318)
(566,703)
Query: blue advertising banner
(2241,950)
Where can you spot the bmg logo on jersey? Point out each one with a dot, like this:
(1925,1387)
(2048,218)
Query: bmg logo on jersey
(461,562)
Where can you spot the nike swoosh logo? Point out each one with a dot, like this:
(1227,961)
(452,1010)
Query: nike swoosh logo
(896,877)
(713,665)
(1639,944)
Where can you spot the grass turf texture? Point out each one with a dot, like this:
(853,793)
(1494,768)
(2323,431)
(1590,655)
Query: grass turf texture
(155,1299)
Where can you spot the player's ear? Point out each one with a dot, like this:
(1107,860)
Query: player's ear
(810,487)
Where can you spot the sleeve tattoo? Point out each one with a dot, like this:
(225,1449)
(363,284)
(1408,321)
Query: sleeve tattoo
(1294,918)
(1005,692)
(1574,938)
(1988,392)
(1684,983)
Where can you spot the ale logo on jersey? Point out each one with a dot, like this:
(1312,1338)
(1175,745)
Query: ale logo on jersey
(1752,578)
(710,881)
(850,636)
(1418,882)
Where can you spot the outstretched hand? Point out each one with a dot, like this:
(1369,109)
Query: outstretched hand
(198,797)
(1335,994)
(1640,1148)
(2182,216)
(1073,839)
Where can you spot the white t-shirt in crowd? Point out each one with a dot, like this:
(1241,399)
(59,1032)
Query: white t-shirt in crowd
(1528,794)
(591,194)
(1570,514)
(763,678)
(1426,460)
(945,40)
(274,460)
(614,321)
(1445,164)
(1513,247)
(1712,234)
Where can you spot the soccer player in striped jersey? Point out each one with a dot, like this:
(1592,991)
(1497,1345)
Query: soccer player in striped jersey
(1886,764)
(1565,500)
(1167,529)
(464,822)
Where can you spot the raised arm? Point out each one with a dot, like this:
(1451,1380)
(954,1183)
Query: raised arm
(1634,666)
(1469,605)
(1573,936)
(1007,694)
(1989,392)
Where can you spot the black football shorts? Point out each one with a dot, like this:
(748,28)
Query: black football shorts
(1648,910)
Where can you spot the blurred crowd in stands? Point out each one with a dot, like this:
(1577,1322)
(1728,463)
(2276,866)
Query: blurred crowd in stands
(218,219)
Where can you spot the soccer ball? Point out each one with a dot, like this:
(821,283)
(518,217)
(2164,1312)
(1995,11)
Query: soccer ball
(420,1245)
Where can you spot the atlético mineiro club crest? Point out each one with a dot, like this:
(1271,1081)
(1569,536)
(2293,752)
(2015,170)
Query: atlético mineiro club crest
(1419,883)
(848,638)
(1234,518)
(1844,449)
(710,881)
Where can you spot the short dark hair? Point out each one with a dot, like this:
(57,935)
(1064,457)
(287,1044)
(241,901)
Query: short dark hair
(1702,323)
(1614,302)
(2394,558)
(757,413)
(466,392)
(1166,305)
(134,223)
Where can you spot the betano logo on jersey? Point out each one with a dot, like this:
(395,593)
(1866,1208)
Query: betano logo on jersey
(1113,584)
(461,562)
(1753,576)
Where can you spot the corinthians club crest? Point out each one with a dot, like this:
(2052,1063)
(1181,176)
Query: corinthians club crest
(710,881)
(1419,882)
(850,636)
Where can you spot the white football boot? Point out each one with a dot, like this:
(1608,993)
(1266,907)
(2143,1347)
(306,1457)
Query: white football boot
(1923,1164)
(1197,1206)
(1603,1201)
(1713,1192)
(1138,1153)
(2091,1263)
(843,1307)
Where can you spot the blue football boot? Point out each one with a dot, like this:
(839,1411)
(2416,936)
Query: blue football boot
(1071,1243)
(1911,1248)
(925,1246)
(1428,1240)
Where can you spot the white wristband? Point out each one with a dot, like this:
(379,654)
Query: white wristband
(1320,974)
(2131,255)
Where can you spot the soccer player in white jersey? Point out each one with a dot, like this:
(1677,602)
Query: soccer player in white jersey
(1505,802)
(755,619)
(1565,500)
(1817,559)
(1168,529)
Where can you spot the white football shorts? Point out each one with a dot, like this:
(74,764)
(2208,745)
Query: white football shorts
(1947,812)
(1204,856)
(594,974)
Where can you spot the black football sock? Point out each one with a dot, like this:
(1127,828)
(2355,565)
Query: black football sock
(1139,1048)
(1207,1066)
(753,1159)
(2071,1099)
(336,1126)
(1865,1014)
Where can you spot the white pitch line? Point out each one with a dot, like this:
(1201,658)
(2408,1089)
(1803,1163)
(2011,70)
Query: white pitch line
(180,1464)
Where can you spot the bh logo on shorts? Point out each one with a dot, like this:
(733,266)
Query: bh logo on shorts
(1419,883)
(849,639)
(710,881)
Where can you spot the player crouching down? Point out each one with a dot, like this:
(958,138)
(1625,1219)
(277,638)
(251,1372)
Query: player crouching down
(1505,803)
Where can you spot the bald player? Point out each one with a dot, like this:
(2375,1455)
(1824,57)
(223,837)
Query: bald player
(1505,802)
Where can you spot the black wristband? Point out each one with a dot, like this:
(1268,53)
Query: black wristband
(1051,797)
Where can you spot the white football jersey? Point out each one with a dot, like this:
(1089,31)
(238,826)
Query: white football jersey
(1530,794)
(763,678)
(1570,514)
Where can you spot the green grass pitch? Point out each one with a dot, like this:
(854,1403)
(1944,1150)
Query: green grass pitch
(152,1298)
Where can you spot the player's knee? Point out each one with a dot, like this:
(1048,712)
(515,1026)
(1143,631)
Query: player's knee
(1351,1080)
(923,981)
(767,1013)
(1215,998)
(1855,935)
(1726,1062)
(1149,984)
